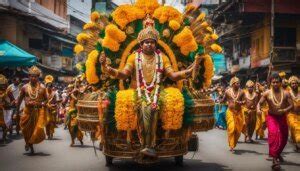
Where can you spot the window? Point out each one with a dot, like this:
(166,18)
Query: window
(36,44)
(285,37)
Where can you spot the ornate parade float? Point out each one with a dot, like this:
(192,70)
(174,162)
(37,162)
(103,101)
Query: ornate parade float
(152,120)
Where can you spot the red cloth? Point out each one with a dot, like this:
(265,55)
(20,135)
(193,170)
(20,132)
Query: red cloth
(277,134)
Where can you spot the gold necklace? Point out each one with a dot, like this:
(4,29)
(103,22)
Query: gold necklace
(248,96)
(294,97)
(234,96)
(275,101)
(33,94)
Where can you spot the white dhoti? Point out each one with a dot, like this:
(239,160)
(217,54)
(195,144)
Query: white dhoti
(8,117)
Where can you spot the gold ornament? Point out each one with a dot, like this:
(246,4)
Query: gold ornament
(149,31)
(48,79)
(3,79)
(34,71)
(166,33)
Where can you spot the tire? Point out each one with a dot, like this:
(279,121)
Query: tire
(179,160)
(108,161)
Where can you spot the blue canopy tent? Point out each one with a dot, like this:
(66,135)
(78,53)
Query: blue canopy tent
(219,62)
(12,56)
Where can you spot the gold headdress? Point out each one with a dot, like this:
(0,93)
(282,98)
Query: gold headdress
(282,74)
(294,79)
(3,79)
(34,71)
(48,79)
(249,83)
(234,80)
(149,31)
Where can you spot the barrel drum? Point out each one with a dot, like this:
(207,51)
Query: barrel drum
(88,118)
(203,115)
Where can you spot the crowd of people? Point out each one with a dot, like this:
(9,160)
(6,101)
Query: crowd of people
(258,107)
(37,107)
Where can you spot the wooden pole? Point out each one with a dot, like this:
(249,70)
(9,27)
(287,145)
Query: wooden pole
(271,38)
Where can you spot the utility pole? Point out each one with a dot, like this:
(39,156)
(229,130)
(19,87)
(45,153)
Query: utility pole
(272,37)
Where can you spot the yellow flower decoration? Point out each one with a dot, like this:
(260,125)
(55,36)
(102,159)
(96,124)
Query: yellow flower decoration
(174,25)
(172,109)
(82,37)
(209,70)
(78,48)
(206,39)
(95,16)
(204,24)
(184,37)
(216,48)
(125,111)
(209,29)
(214,36)
(148,6)
(201,16)
(125,14)
(111,44)
(89,26)
(189,8)
(190,47)
(167,13)
(91,74)
(48,79)
(114,32)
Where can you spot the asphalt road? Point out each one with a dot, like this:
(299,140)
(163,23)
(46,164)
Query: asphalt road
(213,154)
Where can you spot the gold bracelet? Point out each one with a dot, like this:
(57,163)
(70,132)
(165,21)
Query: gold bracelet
(183,74)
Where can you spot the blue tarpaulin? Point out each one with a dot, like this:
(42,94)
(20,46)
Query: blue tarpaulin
(219,62)
(13,56)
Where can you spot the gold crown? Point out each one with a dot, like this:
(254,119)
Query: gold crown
(34,71)
(149,31)
(249,83)
(293,79)
(48,79)
(234,80)
(3,79)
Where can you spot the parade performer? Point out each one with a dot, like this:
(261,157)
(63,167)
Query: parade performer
(33,119)
(15,89)
(147,67)
(220,110)
(261,118)
(294,116)
(71,121)
(51,107)
(280,104)
(234,114)
(6,99)
(251,99)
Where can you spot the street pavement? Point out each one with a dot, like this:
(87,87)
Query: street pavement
(213,154)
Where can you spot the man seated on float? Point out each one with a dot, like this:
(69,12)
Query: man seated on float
(147,64)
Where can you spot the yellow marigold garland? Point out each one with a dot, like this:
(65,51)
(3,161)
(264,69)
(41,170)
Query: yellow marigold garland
(82,37)
(209,70)
(190,47)
(89,26)
(167,13)
(114,32)
(214,36)
(78,48)
(91,72)
(174,25)
(172,109)
(125,111)
(216,48)
(184,37)
(201,17)
(111,44)
(95,16)
(125,14)
(148,6)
